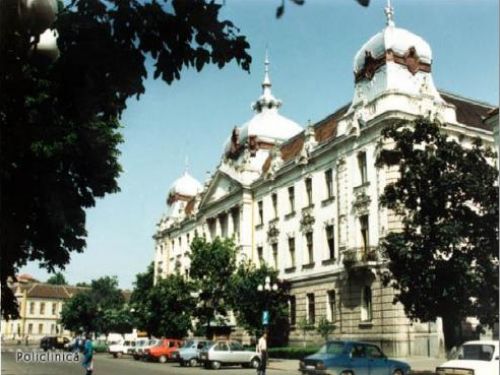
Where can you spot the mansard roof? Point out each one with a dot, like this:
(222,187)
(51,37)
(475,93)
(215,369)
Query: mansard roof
(469,112)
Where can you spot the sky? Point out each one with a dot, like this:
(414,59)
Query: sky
(311,50)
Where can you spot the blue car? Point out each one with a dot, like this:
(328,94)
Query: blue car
(351,358)
(189,354)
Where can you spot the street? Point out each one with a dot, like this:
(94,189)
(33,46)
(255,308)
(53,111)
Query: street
(105,364)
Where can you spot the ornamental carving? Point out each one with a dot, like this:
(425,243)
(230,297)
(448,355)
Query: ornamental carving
(361,199)
(308,146)
(273,233)
(307,221)
(412,61)
(235,146)
(276,162)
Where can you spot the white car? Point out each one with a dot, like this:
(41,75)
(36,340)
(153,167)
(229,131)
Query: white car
(474,358)
(121,348)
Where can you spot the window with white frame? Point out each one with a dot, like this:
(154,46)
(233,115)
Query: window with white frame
(293,310)
(274,199)
(310,247)
(311,308)
(260,255)
(331,306)
(365,230)
(366,304)
(275,255)
(260,210)
(308,183)
(362,167)
(329,183)
(291,250)
(330,240)
(291,199)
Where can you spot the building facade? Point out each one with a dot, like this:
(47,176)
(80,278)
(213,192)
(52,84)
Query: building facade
(40,307)
(306,200)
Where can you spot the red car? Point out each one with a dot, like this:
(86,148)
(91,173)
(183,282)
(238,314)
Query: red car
(164,350)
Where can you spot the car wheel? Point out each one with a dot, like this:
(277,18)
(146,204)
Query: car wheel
(162,359)
(193,362)
(347,373)
(255,363)
(206,365)
(136,357)
(216,365)
(119,355)
(397,372)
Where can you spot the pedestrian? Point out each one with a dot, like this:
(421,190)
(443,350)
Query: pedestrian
(88,356)
(262,349)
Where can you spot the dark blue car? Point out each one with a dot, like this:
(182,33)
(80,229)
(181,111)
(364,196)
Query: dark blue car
(351,358)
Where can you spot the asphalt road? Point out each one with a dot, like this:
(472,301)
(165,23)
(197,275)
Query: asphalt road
(104,364)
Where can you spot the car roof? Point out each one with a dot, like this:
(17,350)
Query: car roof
(483,342)
(350,342)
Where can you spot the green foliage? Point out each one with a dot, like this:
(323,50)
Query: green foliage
(291,352)
(304,326)
(60,120)
(171,305)
(57,279)
(118,319)
(140,299)
(445,260)
(248,303)
(93,310)
(212,265)
(325,328)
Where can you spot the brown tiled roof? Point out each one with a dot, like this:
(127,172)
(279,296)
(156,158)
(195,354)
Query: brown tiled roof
(40,290)
(469,112)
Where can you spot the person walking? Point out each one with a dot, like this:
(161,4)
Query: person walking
(262,350)
(88,356)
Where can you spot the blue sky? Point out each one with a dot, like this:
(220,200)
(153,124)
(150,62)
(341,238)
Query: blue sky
(311,49)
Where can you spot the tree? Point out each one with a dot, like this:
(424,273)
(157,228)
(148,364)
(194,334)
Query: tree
(304,326)
(444,261)
(57,279)
(140,300)
(59,121)
(325,328)
(247,303)
(91,309)
(171,305)
(118,319)
(212,265)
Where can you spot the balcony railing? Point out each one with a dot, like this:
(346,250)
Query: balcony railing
(360,256)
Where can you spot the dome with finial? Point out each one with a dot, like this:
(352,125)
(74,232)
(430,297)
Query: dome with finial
(184,188)
(392,43)
(268,123)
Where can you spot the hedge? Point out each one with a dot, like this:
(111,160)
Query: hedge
(292,352)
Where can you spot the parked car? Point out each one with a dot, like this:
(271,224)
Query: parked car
(100,346)
(121,348)
(53,342)
(163,351)
(140,352)
(226,352)
(189,354)
(351,357)
(139,344)
(473,358)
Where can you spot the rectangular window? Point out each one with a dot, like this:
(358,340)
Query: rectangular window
(308,182)
(32,308)
(30,328)
(291,250)
(261,213)
(329,183)
(54,308)
(311,310)
(274,198)
(260,255)
(330,239)
(40,328)
(52,329)
(364,227)
(331,308)
(291,198)
(275,255)
(366,304)
(223,225)
(42,308)
(293,310)
(309,244)
(188,238)
(362,167)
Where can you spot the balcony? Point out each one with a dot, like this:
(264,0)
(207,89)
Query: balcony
(361,197)
(358,257)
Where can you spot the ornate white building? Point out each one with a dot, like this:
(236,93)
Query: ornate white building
(306,201)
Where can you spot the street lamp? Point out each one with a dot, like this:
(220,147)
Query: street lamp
(266,288)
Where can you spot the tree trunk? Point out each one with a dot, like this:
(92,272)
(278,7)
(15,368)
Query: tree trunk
(451,329)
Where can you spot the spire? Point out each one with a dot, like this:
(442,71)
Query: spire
(389,14)
(266,100)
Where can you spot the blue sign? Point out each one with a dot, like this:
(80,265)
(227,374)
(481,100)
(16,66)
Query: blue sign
(265,317)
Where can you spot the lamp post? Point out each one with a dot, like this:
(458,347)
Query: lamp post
(266,288)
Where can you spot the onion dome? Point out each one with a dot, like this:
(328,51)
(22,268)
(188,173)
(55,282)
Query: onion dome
(396,41)
(268,123)
(184,188)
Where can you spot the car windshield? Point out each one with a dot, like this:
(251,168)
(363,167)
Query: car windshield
(153,342)
(476,352)
(332,348)
(187,344)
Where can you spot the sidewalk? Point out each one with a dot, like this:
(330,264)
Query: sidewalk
(420,365)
